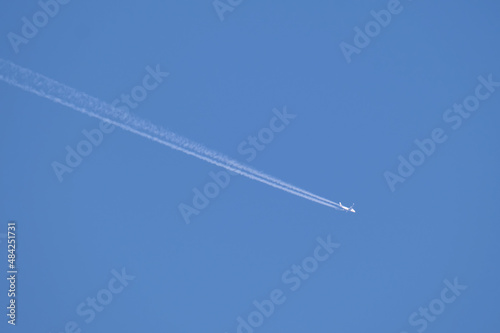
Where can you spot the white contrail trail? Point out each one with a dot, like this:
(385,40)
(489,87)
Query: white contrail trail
(57,92)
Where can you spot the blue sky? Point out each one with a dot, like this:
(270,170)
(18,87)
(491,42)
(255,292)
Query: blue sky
(118,210)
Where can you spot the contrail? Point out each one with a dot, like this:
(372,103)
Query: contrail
(57,92)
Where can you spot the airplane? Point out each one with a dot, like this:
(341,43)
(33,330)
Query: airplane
(347,209)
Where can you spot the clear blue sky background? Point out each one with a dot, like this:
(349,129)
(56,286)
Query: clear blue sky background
(119,208)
